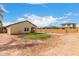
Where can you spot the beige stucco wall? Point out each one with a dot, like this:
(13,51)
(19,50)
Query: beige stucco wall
(19,28)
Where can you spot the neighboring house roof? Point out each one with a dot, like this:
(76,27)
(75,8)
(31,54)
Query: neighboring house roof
(20,22)
(69,23)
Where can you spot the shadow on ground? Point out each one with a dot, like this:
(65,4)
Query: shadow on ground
(16,46)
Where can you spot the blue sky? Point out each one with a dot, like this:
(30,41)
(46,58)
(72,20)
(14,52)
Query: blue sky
(45,14)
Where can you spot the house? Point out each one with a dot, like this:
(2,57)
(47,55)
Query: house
(21,27)
(69,25)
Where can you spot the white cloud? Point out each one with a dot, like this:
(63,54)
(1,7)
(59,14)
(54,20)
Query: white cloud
(62,17)
(7,23)
(2,7)
(41,4)
(38,20)
(69,14)
(20,19)
(17,20)
(65,21)
(43,21)
(66,16)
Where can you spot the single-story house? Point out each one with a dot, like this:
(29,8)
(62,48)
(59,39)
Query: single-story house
(21,27)
(69,25)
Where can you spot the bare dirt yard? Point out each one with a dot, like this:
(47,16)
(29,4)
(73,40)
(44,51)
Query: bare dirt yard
(66,44)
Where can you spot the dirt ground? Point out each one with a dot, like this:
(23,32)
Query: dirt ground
(69,46)
(66,44)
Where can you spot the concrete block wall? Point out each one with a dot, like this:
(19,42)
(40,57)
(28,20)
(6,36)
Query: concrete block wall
(58,30)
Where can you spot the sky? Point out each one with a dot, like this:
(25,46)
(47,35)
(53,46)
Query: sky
(41,14)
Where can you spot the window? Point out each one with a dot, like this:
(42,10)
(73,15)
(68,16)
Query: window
(26,29)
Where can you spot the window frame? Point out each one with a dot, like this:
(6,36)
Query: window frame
(26,29)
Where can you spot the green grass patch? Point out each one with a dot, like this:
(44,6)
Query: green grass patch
(36,36)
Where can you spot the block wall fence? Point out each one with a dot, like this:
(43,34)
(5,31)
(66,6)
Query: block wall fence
(58,30)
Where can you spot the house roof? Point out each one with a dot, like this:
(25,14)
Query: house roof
(68,23)
(20,22)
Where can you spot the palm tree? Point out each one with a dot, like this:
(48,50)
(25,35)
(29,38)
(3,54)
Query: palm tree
(1,18)
(1,27)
